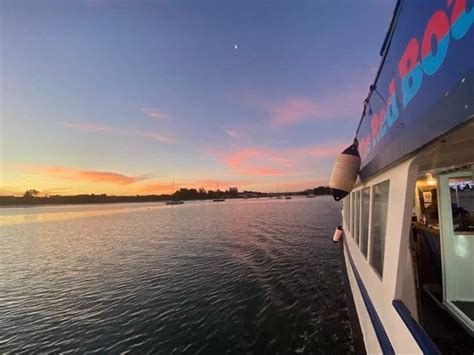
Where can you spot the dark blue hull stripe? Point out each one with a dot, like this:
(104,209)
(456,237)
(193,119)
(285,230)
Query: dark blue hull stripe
(422,339)
(382,336)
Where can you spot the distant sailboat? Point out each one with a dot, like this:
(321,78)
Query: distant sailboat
(174,201)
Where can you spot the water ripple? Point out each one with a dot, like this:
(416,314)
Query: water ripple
(236,277)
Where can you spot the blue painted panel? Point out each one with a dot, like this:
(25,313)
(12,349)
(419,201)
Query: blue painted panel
(426,84)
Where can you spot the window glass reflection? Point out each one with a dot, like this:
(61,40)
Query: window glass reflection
(364,228)
(379,225)
(462,204)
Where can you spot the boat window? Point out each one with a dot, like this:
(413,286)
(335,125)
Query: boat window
(346,205)
(379,225)
(462,204)
(356,216)
(457,214)
(352,214)
(364,228)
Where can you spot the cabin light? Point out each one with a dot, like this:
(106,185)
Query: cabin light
(463,80)
(446,94)
(430,180)
(466,106)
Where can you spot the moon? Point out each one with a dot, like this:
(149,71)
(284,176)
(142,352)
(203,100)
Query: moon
(236,47)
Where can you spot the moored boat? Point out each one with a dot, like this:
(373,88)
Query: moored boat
(174,202)
(219,198)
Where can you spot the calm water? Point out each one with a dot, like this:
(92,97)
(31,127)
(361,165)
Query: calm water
(249,276)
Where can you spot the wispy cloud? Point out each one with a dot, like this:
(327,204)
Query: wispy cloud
(293,110)
(320,150)
(10,191)
(68,173)
(89,126)
(95,128)
(233,133)
(154,113)
(345,103)
(257,161)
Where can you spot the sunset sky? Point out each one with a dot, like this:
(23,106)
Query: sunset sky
(113,97)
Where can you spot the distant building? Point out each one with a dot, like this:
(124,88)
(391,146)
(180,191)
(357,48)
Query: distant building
(233,190)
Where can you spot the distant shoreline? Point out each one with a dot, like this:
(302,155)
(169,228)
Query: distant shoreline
(182,194)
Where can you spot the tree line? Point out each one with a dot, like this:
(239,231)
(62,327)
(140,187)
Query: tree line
(33,197)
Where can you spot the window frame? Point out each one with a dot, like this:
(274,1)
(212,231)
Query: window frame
(371,226)
(369,216)
(357,214)
(346,204)
(351,224)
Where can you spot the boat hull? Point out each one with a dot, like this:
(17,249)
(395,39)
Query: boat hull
(174,202)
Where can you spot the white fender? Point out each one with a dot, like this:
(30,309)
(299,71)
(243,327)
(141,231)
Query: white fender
(344,172)
(337,234)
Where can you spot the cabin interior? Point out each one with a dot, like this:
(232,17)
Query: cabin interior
(438,286)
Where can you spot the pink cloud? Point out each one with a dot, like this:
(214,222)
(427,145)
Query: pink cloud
(235,159)
(257,161)
(343,103)
(263,171)
(154,113)
(322,151)
(68,173)
(293,110)
(95,128)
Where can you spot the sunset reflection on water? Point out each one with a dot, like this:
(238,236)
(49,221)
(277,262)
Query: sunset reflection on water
(234,277)
(59,215)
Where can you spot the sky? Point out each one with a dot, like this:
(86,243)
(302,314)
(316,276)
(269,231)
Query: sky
(102,96)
